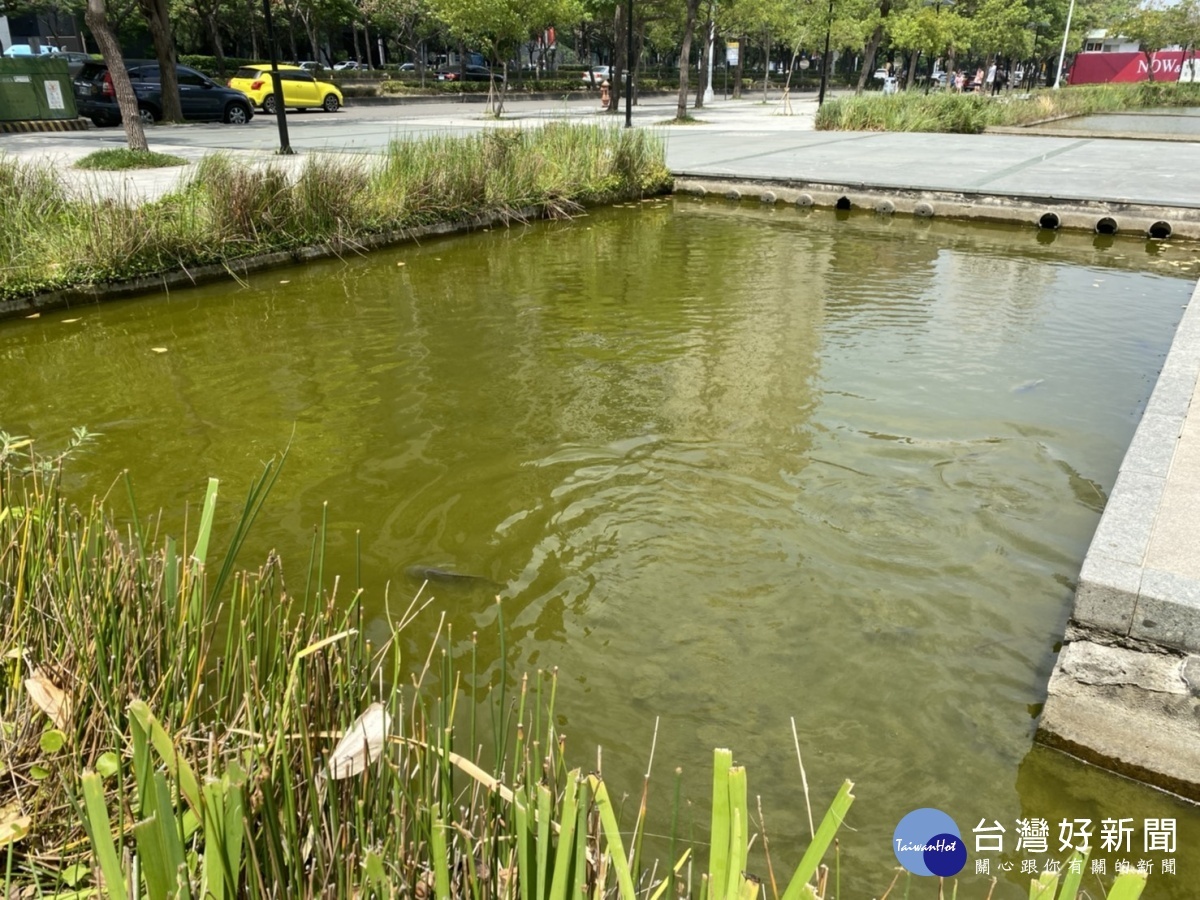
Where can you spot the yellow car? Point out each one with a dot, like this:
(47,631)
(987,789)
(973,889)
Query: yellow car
(300,89)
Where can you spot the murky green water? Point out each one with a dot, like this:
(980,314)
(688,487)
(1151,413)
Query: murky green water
(727,466)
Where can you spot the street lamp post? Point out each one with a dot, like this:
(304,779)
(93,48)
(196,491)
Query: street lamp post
(824,56)
(712,33)
(1063,52)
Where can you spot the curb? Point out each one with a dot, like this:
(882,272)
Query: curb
(34,125)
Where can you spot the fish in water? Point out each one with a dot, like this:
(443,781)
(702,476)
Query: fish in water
(1027,386)
(434,574)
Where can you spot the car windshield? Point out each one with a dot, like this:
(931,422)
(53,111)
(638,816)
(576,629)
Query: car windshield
(248,72)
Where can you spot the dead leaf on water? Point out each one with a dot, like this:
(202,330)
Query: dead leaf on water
(49,698)
(361,744)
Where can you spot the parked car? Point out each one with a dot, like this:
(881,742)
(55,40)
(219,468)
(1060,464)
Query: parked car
(201,98)
(310,66)
(301,90)
(597,75)
(350,65)
(26,50)
(75,60)
(472,73)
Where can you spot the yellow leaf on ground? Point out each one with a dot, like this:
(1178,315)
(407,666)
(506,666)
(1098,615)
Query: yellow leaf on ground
(49,698)
(13,828)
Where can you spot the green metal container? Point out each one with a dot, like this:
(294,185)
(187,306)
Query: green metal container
(35,88)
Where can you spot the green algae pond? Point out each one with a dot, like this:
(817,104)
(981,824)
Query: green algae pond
(724,466)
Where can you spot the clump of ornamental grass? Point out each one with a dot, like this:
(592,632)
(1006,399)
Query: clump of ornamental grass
(948,112)
(230,208)
(119,158)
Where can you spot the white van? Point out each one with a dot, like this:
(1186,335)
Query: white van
(26,50)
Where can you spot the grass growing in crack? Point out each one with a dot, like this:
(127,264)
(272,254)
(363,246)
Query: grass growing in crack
(124,158)
(972,113)
(228,209)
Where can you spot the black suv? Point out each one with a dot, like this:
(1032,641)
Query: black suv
(201,97)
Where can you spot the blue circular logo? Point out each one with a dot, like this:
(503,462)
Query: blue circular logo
(928,842)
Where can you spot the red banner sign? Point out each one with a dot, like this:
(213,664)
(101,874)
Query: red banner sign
(1101,68)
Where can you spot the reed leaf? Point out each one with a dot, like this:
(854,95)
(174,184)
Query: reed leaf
(96,822)
(566,839)
(612,836)
(1128,886)
(1074,876)
(718,866)
(832,820)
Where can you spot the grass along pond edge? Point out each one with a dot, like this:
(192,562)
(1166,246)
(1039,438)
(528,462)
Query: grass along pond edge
(229,214)
(177,279)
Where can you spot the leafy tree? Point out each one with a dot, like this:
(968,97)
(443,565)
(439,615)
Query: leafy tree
(1154,26)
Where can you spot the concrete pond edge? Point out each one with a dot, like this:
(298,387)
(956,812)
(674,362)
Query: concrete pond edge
(1099,217)
(1125,690)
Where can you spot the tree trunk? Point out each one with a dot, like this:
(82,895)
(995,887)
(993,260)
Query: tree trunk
(685,59)
(97,20)
(912,70)
(869,58)
(214,32)
(250,17)
(367,43)
(737,77)
(159,21)
(619,61)
(705,62)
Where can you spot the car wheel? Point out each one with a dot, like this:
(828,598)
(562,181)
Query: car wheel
(269,106)
(331,103)
(146,114)
(237,114)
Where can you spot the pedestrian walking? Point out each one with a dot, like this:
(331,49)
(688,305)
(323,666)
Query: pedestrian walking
(999,80)
(990,79)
